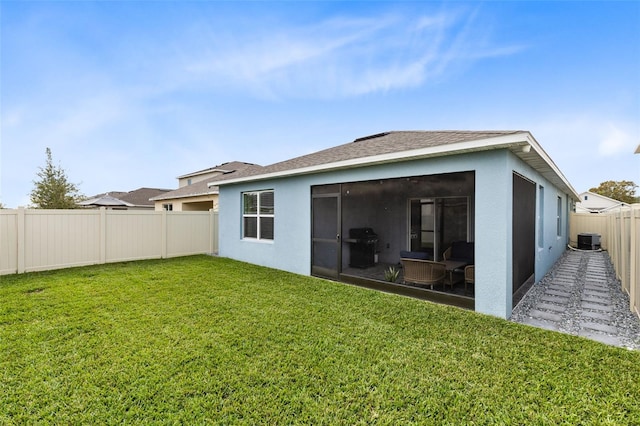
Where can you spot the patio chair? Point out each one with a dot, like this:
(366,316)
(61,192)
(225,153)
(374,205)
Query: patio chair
(469,276)
(461,251)
(423,272)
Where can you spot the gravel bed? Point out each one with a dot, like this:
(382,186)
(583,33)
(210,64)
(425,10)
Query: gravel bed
(613,323)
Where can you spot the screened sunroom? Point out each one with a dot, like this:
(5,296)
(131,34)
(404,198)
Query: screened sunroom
(362,230)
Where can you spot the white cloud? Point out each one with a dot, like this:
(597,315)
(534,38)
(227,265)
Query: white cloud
(614,140)
(589,148)
(11,118)
(343,57)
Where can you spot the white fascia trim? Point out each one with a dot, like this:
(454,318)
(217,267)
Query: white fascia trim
(506,141)
(617,206)
(536,146)
(179,197)
(94,200)
(203,172)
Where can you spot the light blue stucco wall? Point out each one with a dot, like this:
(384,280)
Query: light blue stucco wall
(291,248)
(493,234)
(494,229)
(551,246)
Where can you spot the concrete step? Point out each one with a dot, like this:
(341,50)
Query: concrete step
(544,315)
(596,307)
(598,327)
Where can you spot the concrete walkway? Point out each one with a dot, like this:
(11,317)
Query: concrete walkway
(581,296)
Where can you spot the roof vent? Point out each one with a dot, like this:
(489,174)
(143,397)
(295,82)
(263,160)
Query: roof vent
(377,135)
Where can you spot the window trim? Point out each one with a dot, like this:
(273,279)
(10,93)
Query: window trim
(541,212)
(258,215)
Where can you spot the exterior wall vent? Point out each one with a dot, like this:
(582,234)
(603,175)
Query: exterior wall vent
(377,135)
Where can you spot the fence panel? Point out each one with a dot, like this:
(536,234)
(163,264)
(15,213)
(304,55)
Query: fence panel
(185,234)
(36,240)
(60,238)
(8,241)
(133,235)
(634,282)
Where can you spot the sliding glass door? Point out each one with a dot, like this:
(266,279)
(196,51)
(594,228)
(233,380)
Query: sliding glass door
(437,222)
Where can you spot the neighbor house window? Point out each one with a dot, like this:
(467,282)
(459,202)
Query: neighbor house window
(258,215)
(559,220)
(167,207)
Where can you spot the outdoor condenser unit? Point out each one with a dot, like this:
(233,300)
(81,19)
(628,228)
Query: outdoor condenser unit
(589,241)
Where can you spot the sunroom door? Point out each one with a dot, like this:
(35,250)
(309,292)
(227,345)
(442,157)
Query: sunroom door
(325,228)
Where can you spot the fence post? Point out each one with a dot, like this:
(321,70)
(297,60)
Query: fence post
(633,256)
(616,234)
(103,235)
(210,231)
(20,233)
(164,242)
(624,251)
(216,227)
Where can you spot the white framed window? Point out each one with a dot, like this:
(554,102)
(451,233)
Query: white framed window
(541,217)
(559,219)
(258,214)
(167,207)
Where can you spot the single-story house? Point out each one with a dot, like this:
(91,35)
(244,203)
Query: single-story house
(590,202)
(194,193)
(137,199)
(349,212)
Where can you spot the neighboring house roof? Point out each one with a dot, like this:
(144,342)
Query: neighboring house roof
(596,203)
(637,150)
(396,146)
(222,168)
(202,188)
(136,198)
(106,200)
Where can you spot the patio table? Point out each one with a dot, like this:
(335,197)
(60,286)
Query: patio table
(452,265)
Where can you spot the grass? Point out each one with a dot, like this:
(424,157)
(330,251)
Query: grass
(209,340)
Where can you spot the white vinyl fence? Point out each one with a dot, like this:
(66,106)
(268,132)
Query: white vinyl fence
(37,240)
(620,233)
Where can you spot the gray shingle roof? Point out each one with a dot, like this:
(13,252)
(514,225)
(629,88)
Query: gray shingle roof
(374,145)
(141,196)
(202,188)
(228,167)
(398,146)
(136,198)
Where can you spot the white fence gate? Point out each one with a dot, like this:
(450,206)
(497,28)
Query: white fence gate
(37,240)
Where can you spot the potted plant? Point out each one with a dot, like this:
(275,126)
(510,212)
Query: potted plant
(391,274)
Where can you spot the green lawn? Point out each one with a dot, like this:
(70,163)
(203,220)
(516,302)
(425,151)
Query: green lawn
(208,340)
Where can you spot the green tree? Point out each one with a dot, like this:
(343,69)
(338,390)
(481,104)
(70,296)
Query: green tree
(52,189)
(624,190)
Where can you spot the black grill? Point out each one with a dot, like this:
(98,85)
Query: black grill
(363,247)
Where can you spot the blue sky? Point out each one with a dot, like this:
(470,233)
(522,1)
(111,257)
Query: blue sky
(132,94)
